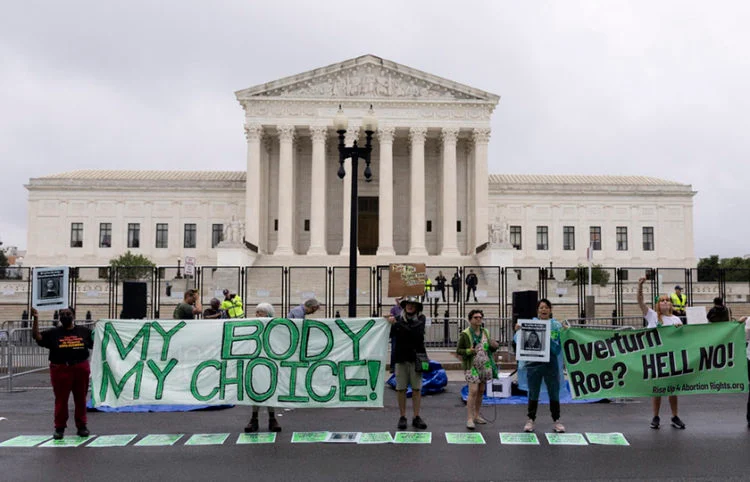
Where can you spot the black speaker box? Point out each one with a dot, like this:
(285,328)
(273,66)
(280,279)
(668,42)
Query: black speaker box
(134,300)
(524,305)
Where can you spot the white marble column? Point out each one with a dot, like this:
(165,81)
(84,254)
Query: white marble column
(417,247)
(286,190)
(254,134)
(351,135)
(318,191)
(481,187)
(450,189)
(385,202)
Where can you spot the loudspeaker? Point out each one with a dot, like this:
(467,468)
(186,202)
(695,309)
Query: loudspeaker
(134,302)
(524,305)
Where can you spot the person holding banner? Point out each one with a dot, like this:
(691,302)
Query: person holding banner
(477,354)
(69,369)
(407,329)
(551,372)
(263,310)
(664,317)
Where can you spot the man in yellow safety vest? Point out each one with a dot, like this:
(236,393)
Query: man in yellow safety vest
(678,301)
(232,304)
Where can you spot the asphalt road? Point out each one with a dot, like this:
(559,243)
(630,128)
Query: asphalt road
(715,446)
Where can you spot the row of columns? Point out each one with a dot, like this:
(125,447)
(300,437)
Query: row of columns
(478,188)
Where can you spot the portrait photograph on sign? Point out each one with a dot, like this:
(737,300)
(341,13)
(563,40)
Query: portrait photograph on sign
(532,341)
(50,288)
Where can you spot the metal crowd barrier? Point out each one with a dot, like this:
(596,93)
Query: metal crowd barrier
(610,323)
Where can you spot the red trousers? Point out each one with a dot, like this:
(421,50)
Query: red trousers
(66,379)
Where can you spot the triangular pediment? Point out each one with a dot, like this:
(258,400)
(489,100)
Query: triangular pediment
(366,77)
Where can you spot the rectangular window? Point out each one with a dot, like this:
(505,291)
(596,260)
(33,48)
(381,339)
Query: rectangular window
(622,238)
(190,234)
(105,235)
(542,238)
(595,237)
(134,235)
(648,238)
(76,235)
(458,226)
(307,225)
(275,224)
(162,235)
(217,234)
(429,226)
(515,237)
(569,238)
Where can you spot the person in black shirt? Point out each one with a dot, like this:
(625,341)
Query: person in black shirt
(719,312)
(471,285)
(407,329)
(69,369)
(456,285)
(440,284)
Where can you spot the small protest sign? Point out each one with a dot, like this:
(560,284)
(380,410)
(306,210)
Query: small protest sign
(112,440)
(343,437)
(309,437)
(49,288)
(256,438)
(405,279)
(376,438)
(566,439)
(159,440)
(520,438)
(614,438)
(464,438)
(25,441)
(207,439)
(533,340)
(413,438)
(67,442)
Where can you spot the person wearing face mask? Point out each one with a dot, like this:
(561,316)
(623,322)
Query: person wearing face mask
(69,369)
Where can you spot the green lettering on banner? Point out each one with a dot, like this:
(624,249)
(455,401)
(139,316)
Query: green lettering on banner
(230,337)
(237,380)
(167,336)
(111,333)
(355,337)
(160,375)
(194,380)
(117,387)
(345,383)
(308,381)
(273,373)
(293,382)
(293,338)
(308,325)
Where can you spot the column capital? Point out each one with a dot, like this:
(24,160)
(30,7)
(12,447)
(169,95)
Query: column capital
(253,132)
(319,133)
(386,134)
(481,135)
(449,135)
(286,133)
(418,134)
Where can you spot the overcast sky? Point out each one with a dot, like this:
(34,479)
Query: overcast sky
(656,88)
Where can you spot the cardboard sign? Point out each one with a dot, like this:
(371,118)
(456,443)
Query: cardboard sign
(405,279)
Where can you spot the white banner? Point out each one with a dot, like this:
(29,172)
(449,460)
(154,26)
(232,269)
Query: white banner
(277,363)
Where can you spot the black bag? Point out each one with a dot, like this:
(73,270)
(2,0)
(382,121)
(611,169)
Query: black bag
(422,363)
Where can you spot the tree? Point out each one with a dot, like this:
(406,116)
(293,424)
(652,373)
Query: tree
(599,276)
(735,269)
(3,264)
(132,266)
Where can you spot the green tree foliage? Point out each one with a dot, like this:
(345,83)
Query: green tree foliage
(599,276)
(3,264)
(735,269)
(132,266)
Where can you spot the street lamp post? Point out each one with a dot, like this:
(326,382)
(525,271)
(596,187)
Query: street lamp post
(355,153)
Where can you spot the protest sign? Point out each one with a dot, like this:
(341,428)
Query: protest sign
(276,363)
(406,279)
(696,315)
(672,360)
(522,438)
(533,340)
(50,288)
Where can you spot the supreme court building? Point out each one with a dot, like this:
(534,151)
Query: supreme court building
(431,198)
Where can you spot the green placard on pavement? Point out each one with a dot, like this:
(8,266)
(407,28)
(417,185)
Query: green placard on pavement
(614,438)
(521,438)
(465,438)
(566,439)
(112,440)
(72,441)
(25,441)
(413,438)
(158,440)
(207,439)
(257,438)
(376,438)
(309,437)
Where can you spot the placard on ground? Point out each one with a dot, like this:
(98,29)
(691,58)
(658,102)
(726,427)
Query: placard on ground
(519,438)
(309,437)
(112,440)
(613,438)
(159,440)
(413,438)
(566,439)
(464,438)
(376,438)
(257,438)
(25,441)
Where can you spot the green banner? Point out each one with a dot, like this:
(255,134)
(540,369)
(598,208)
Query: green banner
(278,363)
(671,360)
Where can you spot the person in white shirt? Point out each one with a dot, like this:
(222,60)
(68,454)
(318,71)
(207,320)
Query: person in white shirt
(663,316)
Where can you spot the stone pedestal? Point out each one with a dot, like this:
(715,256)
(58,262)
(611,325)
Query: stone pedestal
(234,254)
(496,256)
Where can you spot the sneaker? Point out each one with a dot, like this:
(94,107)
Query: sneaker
(402,423)
(677,423)
(58,434)
(529,427)
(83,431)
(558,427)
(655,423)
(252,425)
(480,420)
(470,424)
(417,422)
(273,425)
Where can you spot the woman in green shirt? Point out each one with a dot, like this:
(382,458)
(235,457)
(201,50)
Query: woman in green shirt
(476,351)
